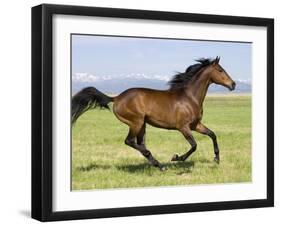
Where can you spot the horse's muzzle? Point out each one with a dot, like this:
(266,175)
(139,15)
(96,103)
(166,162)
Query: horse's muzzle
(232,86)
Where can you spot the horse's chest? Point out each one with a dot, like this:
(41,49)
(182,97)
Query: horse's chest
(188,116)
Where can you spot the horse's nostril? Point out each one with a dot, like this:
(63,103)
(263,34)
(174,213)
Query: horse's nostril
(233,85)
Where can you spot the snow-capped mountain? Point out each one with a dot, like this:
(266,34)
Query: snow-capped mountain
(85,77)
(117,83)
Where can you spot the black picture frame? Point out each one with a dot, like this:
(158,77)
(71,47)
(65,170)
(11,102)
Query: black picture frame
(42,111)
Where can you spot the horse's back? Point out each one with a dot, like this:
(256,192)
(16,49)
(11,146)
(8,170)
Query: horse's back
(141,91)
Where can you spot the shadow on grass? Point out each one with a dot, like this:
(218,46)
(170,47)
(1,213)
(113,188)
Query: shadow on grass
(93,166)
(134,168)
(184,167)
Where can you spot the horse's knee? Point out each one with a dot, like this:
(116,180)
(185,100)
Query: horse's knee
(212,135)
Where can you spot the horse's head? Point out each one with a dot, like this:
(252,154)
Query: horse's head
(219,76)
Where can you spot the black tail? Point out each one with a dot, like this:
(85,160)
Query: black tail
(86,99)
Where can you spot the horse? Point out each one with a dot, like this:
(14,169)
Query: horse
(178,108)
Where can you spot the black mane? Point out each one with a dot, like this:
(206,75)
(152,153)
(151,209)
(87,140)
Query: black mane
(181,79)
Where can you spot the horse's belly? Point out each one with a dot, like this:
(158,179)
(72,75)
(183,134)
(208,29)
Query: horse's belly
(160,123)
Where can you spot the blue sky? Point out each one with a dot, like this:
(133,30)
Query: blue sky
(104,55)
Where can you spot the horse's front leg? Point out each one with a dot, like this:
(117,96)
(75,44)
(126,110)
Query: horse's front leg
(200,128)
(188,136)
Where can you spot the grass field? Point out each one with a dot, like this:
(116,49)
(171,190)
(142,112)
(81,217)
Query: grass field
(100,159)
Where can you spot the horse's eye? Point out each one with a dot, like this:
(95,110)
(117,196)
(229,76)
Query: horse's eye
(220,70)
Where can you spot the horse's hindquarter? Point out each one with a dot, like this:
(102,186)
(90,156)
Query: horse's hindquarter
(129,106)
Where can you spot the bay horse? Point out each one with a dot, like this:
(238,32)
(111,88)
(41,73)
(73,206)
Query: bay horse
(178,108)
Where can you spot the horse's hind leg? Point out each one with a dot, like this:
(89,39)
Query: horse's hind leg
(134,133)
(141,136)
(188,136)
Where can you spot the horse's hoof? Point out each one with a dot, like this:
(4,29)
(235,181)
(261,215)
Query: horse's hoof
(175,157)
(217,160)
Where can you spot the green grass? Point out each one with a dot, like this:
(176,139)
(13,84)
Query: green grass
(100,159)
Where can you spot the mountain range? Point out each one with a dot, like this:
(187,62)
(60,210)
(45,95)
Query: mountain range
(117,84)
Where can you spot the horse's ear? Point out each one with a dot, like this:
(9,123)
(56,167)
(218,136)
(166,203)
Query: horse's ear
(216,61)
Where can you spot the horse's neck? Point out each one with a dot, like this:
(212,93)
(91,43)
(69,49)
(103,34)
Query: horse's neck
(198,86)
